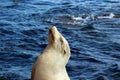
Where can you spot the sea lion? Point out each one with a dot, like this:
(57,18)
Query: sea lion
(51,64)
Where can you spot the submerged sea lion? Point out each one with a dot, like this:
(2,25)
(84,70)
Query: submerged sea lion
(50,65)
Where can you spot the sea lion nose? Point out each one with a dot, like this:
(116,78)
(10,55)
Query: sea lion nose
(54,28)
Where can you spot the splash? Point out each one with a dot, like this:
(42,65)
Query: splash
(106,16)
(82,19)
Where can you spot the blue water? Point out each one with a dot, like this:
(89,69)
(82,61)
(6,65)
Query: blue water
(94,42)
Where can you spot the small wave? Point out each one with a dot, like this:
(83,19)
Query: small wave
(111,15)
(4,31)
(22,55)
(10,76)
(33,32)
(69,20)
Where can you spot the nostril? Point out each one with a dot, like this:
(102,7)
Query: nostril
(50,31)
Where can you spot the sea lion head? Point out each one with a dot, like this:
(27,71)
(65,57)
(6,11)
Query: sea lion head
(58,42)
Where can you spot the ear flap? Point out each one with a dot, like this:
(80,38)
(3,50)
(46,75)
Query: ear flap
(65,52)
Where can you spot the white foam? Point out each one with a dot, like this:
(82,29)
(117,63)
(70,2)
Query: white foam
(109,16)
(78,18)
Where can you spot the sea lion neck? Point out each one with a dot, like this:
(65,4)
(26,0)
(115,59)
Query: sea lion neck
(49,49)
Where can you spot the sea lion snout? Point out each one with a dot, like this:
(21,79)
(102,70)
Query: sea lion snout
(54,35)
(53,30)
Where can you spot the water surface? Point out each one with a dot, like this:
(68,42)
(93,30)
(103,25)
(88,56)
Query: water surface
(94,41)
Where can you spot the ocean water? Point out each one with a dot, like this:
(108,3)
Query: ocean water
(92,28)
